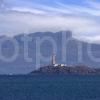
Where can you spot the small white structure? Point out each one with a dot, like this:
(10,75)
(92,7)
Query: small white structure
(62,65)
(53,59)
(53,62)
(55,65)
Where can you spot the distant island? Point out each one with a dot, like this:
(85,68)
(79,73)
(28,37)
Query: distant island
(54,68)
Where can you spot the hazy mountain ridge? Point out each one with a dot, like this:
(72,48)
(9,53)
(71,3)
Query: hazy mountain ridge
(21,66)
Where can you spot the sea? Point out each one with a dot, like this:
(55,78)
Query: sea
(50,87)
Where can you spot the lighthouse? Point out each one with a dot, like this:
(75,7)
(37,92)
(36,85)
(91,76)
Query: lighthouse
(54,63)
(53,59)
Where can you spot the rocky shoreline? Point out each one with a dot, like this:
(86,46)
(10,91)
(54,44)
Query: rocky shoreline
(81,70)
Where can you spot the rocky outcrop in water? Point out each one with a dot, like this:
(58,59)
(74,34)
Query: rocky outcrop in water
(82,70)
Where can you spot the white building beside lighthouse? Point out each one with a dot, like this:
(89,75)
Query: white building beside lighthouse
(54,63)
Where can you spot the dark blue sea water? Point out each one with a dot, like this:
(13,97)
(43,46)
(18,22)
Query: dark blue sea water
(50,87)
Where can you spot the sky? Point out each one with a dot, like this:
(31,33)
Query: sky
(82,17)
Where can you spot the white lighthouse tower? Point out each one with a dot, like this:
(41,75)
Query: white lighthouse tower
(53,59)
(54,63)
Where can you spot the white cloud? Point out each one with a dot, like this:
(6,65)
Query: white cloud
(94,4)
(13,23)
(80,20)
(76,9)
(31,10)
(89,39)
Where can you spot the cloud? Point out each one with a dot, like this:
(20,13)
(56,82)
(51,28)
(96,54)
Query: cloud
(13,23)
(79,9)
(94,4)
(31,10)
(84,22)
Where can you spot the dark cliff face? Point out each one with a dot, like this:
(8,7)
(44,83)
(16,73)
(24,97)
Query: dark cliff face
(20,65)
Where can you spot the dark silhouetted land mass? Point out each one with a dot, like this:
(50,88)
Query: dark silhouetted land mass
(80,70)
